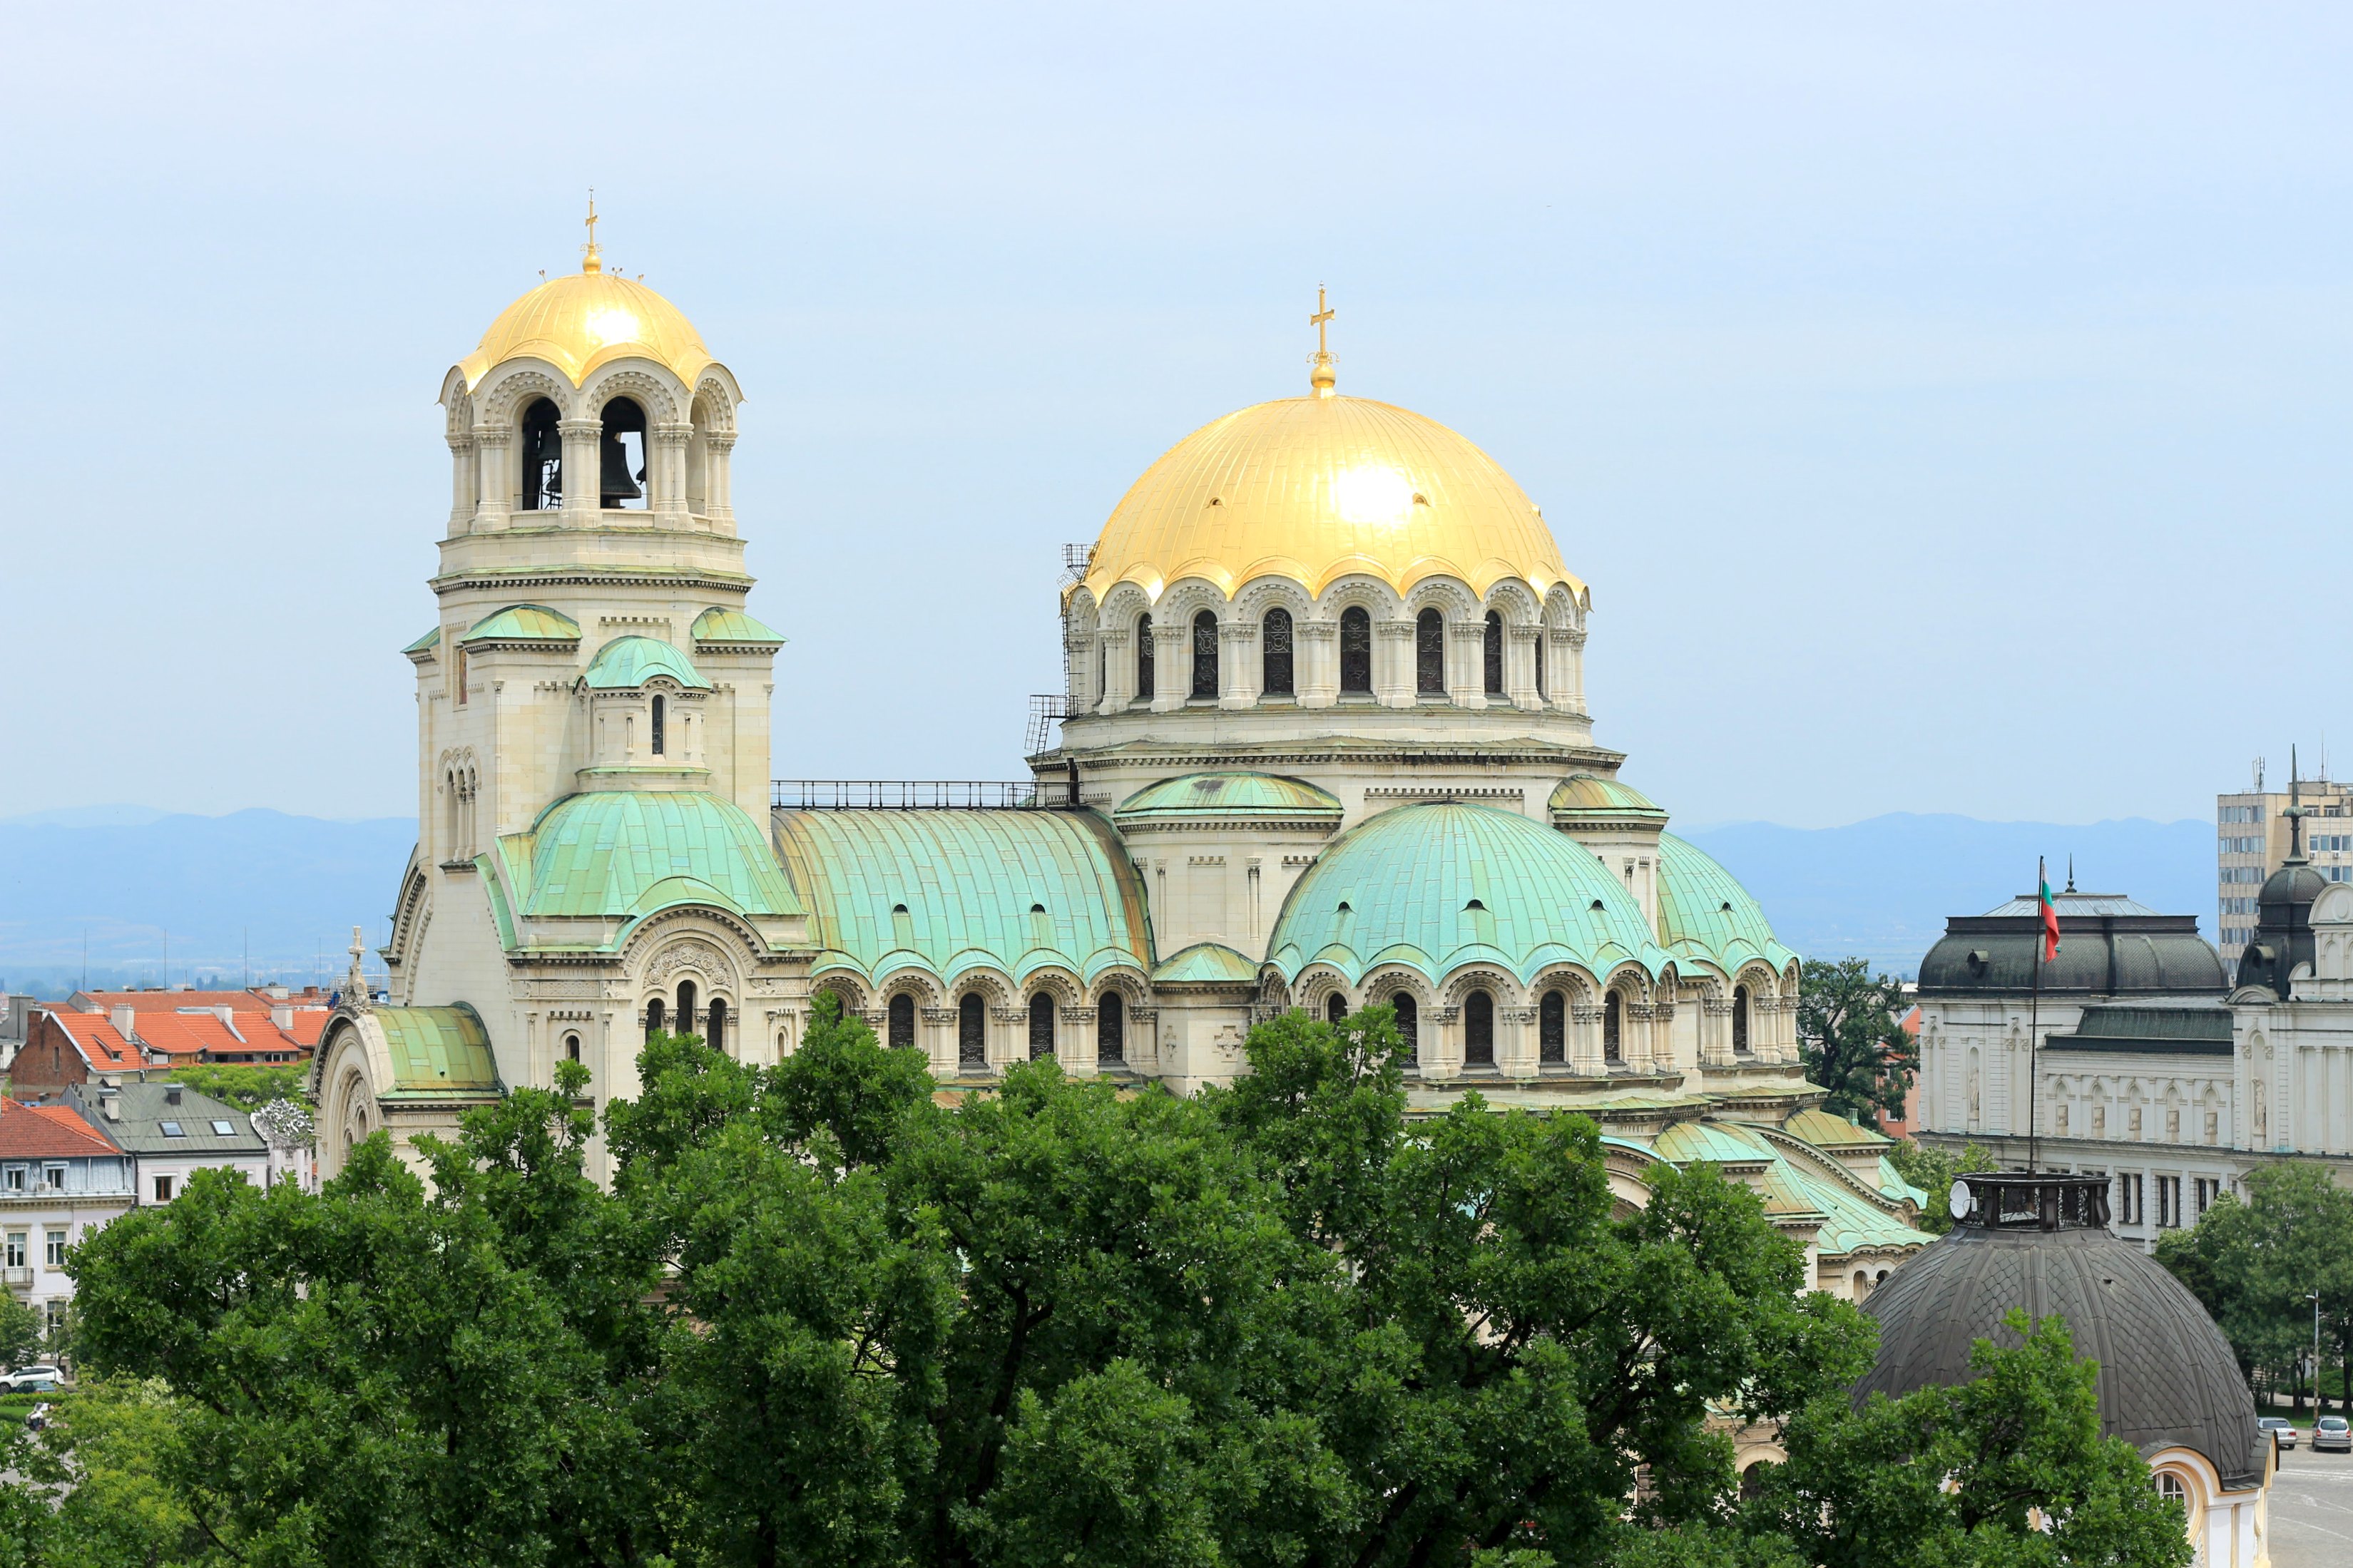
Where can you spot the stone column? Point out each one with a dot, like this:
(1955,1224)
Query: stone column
(1172,666)
(1119,670)
(1565,669)
(1517,1044)
(1445,1026)
(720,479)
(1393,659)
(1466,663)
(465,489)
(1520,665)
(1715,1029)
(1074,1041)
(582,498)
(493,477)
(1240,674)
(1080,667)
(1315,662)
(666,474)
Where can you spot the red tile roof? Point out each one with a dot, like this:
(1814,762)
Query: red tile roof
(96,1039)
(183,1025)
(47,1132)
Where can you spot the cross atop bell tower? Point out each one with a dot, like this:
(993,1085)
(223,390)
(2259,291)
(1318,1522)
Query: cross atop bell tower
(1322,378)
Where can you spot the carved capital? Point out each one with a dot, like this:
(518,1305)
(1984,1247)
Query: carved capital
(1395,631)
(580,426)
(936,1016)
(1528,634)
(719,443)
(491,435)
(1316,631)
(1584,1014)
(1238,631)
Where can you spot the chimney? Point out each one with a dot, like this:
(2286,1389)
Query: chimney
(123,1019)
(226,1015)
(282,1017)
(110,1105)
(171,1094)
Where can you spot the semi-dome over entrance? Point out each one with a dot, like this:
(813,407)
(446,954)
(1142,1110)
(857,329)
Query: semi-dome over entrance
(1312,488)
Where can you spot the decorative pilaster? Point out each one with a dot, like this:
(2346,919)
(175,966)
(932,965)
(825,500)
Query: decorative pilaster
(1393,672)
(583,498)
(1240,674)
(1466,660)
(1315,670)
(718,449)
(1118,668)
(493,479)
(465,489)
(1520,665)
(1172,666)
(668,475)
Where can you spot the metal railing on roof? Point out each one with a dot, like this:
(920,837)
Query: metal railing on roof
(918,794)
(1047,708)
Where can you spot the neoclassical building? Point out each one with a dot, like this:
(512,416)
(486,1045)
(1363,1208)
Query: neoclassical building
(1326,745)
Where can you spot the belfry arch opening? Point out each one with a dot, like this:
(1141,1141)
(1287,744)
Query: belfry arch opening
(621,457)
(541,447)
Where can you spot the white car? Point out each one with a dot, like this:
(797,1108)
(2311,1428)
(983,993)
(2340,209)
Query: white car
(2282,1433)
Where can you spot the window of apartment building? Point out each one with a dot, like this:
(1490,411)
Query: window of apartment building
(2168,1203)
(2204,1190)
(223,1129)
(57,1249)
(13,1253)
(53,1178)
(172,1130)
(162,1189)
(12,1179)
(55,1315)
(2128,1199)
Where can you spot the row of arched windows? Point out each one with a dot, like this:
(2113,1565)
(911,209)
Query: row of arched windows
(1277,664)
(1551,1024)
(620,456)
(714,1018)
(972,1027)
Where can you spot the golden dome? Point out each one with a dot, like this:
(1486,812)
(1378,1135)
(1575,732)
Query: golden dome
(1313,489)
(578,321)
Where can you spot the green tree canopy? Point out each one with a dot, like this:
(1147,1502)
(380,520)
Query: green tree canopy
(1852,1038)
(2256,1263)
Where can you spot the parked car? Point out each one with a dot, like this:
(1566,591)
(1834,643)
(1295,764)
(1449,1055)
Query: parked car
(2282,1433)
(2333,1434)
(34,1382)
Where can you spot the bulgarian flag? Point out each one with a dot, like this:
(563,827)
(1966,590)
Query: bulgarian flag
(2050,912)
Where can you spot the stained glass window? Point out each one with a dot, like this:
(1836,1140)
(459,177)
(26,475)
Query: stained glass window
(1430,653)
(902,1020)
(1041,1027)
(1552,1029)
(1274,642)
(1336,1008)
(1740,1017)
(1143,656)
(661,725)
(716,1036)
(1409,1020)
(972,1040)
(1478,1030)
(1611,1048)
(1355,651)
(1494,652)
(1540,671)
(1204,654)
(1110,1028)
(653,1018)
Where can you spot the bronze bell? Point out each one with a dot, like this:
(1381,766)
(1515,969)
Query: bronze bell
(616,484)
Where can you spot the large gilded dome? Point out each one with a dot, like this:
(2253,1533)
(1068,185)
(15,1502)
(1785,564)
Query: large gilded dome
(1313,489)
(578,321)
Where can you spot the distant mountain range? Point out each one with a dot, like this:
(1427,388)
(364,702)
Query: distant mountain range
(188,898)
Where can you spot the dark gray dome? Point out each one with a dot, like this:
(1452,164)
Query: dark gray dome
(2108,946)
(2166,1374)
(2282,927)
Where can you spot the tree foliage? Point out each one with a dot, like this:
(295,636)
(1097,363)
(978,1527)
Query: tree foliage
(1934,1171)
(246,1086)
(1851,1039)
(2255,1263)
(826,1314)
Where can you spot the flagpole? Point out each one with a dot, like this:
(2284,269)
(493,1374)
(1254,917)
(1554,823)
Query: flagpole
(2034,1024)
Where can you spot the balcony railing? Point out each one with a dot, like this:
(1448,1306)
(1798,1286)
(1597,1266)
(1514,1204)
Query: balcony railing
(918,794)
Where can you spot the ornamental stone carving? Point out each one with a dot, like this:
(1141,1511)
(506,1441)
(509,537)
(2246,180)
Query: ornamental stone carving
(691,953)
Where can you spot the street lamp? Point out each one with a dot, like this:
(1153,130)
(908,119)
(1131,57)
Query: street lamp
(2319,1401)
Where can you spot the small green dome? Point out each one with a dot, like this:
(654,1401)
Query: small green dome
(734,629)
(1232,793)
(1705,914)
(627,663)
(525,623)
(1439,885)
(1588,797)
(609,854)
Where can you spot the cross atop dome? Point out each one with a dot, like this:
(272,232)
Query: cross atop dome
(1322,378)
(592,260)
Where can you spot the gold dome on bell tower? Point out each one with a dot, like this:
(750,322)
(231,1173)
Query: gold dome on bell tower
(581,320)
(1313,489)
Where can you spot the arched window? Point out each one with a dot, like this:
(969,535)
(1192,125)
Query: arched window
(716,1036)
(1110,1028)
(1204,654)
(2170,1487)
(1430,653)
(1740,1017)
(1861,1284)
(1143,656)
(1552,1027)
(653,1018)
(542,458)
(1409,1020)
(662,724)
(1336,1008)
(621,457)
(1478,1030)
(972,1037)
(571,1047)
(1041,1027)
(1540,691)
(1355,651)
(903,1022)
(1612,1044)
(686,1006)
(1274,652)
(1495,654)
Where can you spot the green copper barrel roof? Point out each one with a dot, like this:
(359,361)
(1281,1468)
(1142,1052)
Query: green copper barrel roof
(1583,796)
(1800,1185)
(617,854)
(950,892)
(1233,793)
(525,623)
(719,624)
(439,1050)
(1438,885)
(627,663)
(1207,963)
(1824,1130)
(1704,914)
(430,639)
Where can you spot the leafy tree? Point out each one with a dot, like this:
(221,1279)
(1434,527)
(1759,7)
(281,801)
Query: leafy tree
(246,1086)
(2254,1264)
(21,1332)
(1851,1037)
(1934,1171)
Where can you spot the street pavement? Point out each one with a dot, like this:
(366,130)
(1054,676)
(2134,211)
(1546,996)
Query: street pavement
(2312,1508)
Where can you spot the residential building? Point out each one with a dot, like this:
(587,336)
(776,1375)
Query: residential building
(2252,842)
(169,1132)
(60,1178)
(16,1020)
(126,1031)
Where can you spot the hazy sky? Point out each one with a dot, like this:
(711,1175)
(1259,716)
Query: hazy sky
(1947,404)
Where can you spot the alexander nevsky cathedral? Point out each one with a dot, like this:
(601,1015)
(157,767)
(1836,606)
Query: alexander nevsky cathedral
(1328,745)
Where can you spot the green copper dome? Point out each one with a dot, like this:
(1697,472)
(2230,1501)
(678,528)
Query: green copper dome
(1704,914)
(734,629)
(1438,885)
(626,663)
(612,854)
(525,623)
(1589,797)
(1228,795)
